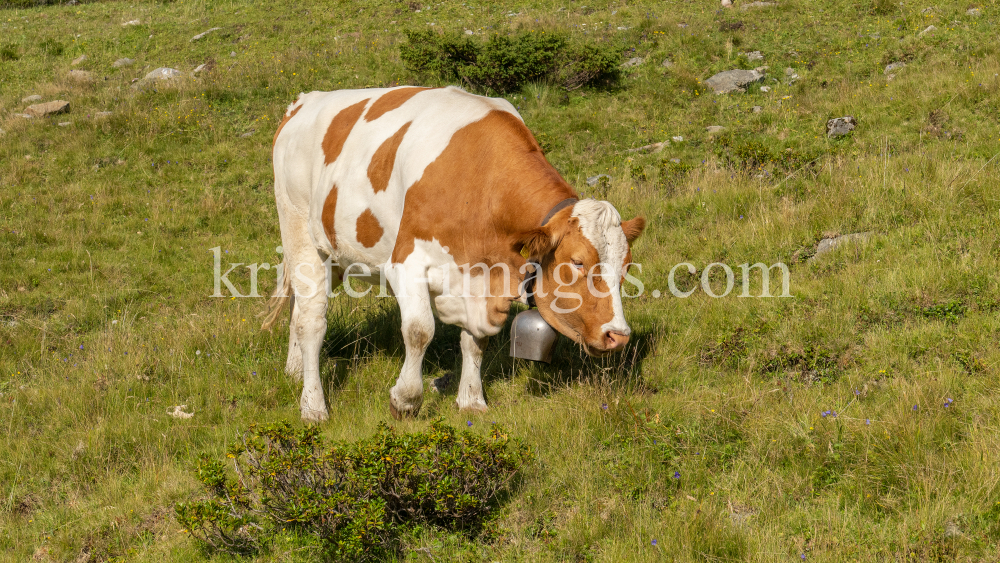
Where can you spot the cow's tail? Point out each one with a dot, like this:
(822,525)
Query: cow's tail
(282,294)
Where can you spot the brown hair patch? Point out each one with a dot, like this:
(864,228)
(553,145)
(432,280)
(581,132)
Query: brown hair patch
(380,168)
(340,128)
(284,120)
(390,101)
(369,229)
(329,210)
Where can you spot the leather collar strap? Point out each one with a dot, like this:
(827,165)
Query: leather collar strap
(559,207)
(529,282)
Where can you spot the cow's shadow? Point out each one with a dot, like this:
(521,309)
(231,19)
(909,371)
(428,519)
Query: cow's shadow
(359,330)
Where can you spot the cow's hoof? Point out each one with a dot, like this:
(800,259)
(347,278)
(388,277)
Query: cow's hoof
(472,406)
(404,412)
(312,416)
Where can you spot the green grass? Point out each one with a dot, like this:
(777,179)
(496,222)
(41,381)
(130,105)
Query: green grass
(107,225)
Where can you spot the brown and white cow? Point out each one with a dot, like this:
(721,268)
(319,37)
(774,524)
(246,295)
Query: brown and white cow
(418,186)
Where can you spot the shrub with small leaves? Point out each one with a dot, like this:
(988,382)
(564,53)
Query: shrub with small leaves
(505,63)
(351,498)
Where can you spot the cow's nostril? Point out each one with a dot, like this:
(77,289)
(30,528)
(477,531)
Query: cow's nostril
(614,339)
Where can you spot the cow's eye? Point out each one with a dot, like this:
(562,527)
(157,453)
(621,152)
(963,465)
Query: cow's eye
(577,264)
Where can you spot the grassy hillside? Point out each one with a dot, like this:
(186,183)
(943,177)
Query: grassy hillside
(857,421)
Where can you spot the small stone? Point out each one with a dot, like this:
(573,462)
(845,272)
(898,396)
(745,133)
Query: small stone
(199,68)
(929,29)
(48,108)
(594,180)
(757,109)
(123,62)
(78,60)
(203,34)
(974,12)
(890,77)
(755,56)
(682,25)
(927,10)
(678,139)
(675,160)
(131,22)
(178,412)
(634,61)
(31,98)
(890,68)
(715,129)
(163,75)
(765,89)
(733,80)
(829,244)
(753,5)
(247,134)
(727,3)
(2,132)
(232,53)
(469,32)
(666,63)
(65,123)
(103,114)
(791,75)
(23,115)
(951,529)
(840,126)
(81,76)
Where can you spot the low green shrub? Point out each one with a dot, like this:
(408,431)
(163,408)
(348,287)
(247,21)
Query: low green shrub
(505,63)
(350,500)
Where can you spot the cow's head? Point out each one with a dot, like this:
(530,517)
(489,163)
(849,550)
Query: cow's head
(583,252)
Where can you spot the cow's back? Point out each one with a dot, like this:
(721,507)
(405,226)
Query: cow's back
(345,160)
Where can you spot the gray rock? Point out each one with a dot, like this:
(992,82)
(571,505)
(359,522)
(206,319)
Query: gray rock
(678,139)
(675,160)
(753,5)
(232,53)
(123,62)
(890,68)
(81,76)
(791,75)
(65,123)
(715,129)
(163,73)
(634,61)
(103,114)
(198,69)
(594,180)
(840,126)
(31,98)
(828,245)
(469,32)
(23,115)
(757,109)
(161,76)
(951,530)
(927,10)
(48,108)
(203,34)
(765,89)
(733,80)
(247,134)
(727,3)
(666,63)
(890,77)
(929,29)
(755,56)
(78,60)
(130,23)
(974,12)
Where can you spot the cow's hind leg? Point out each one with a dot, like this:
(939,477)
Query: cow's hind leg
(470,388)
(308,327)
(293,365)
(414,301)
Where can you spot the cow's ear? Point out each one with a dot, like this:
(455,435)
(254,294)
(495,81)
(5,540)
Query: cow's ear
(538,242)
(633,228)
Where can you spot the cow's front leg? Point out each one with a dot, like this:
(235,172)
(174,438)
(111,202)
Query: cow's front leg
(414,300)
(470,388)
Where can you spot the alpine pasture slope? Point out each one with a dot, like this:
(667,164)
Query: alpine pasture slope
(858,420)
